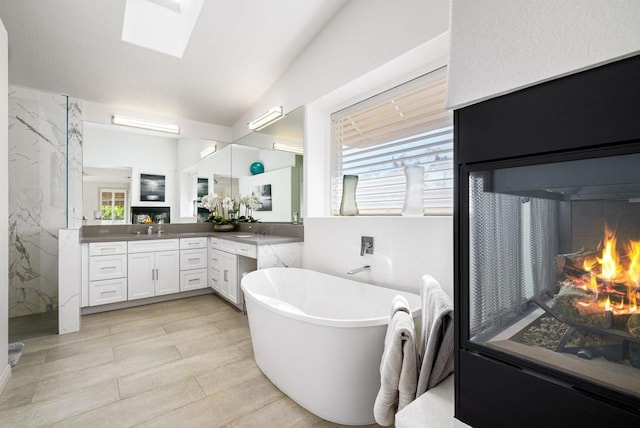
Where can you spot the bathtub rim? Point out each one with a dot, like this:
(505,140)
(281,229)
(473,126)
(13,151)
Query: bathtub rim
(300,315)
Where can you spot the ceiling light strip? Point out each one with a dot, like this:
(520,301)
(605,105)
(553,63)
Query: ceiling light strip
(286,148)
(208,151)
(266,118)
(117,119)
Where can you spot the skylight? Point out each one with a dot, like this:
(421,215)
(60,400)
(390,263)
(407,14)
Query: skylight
(161,25)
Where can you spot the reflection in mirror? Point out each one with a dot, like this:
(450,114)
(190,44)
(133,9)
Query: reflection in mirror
(106,195)
(279,187)
(116,158)
(134,157)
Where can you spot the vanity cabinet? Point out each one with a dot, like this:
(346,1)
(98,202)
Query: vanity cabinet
(121,271)
(153,273)
(228,261)
(193,263)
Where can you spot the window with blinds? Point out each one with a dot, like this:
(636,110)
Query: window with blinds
(376,138)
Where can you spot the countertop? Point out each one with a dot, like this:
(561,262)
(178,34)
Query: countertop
(246,238)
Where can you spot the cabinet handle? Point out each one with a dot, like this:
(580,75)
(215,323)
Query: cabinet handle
(157,274)
(226,275)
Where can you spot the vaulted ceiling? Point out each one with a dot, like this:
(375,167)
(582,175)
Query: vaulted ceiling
(237,50)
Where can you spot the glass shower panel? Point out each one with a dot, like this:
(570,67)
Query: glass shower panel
(37,208)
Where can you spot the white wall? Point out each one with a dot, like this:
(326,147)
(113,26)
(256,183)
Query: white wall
(499,46)
(5,370)
(404,249)
(393,43)
(362,36)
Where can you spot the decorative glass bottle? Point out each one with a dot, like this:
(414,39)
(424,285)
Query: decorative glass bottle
(348,204)
(413,194)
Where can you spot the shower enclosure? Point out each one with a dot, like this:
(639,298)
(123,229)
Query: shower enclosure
(40,127)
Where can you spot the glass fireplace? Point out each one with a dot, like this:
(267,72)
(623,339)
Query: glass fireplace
(554,266)
(547,253)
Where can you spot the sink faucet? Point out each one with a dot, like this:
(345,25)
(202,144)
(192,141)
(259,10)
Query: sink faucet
(358,270)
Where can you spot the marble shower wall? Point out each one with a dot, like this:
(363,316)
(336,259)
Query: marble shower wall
(37,197)
(74,202)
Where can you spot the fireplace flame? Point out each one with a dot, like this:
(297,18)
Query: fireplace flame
(612,275)
(608,262)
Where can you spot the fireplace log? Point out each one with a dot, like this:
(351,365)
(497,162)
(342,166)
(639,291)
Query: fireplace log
(573,260)
(564,307)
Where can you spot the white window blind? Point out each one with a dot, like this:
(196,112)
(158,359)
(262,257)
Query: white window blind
(376,138)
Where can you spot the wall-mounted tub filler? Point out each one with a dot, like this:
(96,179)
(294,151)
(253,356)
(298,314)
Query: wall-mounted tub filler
(358,270)
(366,245)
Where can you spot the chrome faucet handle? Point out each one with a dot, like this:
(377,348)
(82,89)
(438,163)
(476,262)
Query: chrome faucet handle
(366,245)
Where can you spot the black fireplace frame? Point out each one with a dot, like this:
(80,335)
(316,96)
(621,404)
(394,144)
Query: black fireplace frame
(585,115)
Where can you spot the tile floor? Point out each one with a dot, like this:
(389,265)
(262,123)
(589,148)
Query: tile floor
(36,325)
(184,363)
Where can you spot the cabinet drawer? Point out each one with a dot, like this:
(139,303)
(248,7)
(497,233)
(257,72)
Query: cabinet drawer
(186,243)
(153,245)
(104,248)
(107,267)
(247,250)
(228,246)
(193,279)
(214,259)
(107,291)
(193,259)
(214,243)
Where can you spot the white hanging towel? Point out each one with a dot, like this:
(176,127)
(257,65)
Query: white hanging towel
(399,365)
(436,344)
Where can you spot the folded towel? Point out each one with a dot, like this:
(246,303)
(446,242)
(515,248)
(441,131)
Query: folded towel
(436,344)
(399,303)
(399,365)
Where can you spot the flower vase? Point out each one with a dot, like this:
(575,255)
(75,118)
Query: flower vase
(348,204)
(414,194)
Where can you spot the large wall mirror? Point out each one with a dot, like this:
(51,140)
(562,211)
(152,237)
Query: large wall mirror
(132,176)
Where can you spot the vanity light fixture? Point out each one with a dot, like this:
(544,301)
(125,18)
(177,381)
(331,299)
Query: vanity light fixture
(286,148)
(208,151)
(266,118)
(116,119)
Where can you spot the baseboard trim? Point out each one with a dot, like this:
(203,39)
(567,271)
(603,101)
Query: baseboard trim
(139,302)
(4,379)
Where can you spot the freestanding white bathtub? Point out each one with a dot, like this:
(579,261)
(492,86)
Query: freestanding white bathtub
(319,338)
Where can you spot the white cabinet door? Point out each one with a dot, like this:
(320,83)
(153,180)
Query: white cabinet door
(229,277)
(215,279)
(167,272)
(142,275)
